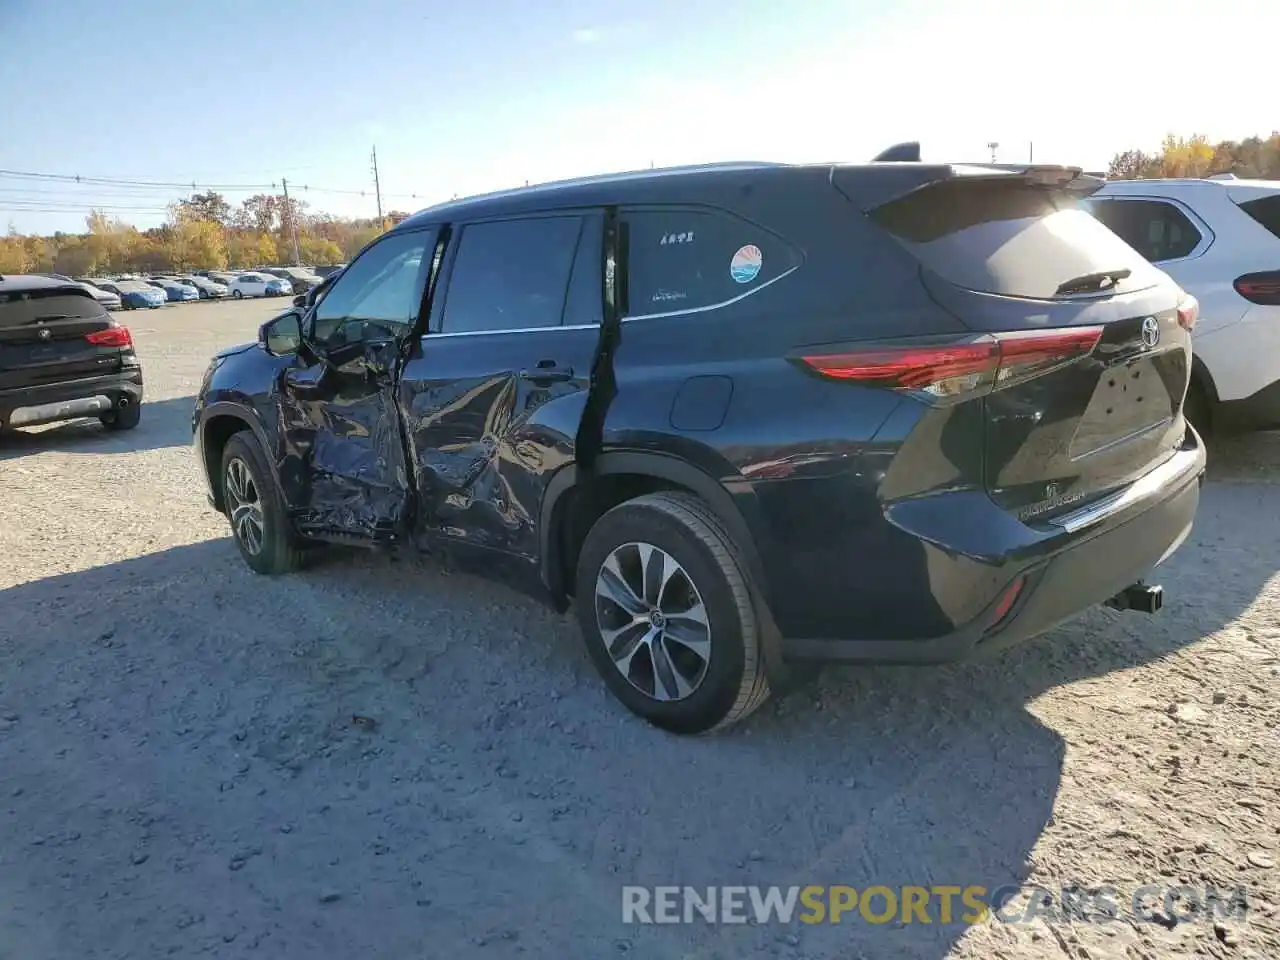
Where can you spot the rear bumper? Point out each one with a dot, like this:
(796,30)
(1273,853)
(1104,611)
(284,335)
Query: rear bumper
(1259,411)
(88,397)
(1084,559)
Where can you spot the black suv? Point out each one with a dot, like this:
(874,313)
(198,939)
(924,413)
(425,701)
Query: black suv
(745,415)
(62,356)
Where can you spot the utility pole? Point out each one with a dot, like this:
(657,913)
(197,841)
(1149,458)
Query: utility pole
(994,145)
(1031,152)
(293,221)
(377,188)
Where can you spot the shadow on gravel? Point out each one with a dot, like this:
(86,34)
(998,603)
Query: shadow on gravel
(498,797)
(165,423)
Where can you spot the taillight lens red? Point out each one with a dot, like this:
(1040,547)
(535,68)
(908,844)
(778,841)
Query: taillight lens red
(111,337)
(1261,288)
(949,372)
(1188,313)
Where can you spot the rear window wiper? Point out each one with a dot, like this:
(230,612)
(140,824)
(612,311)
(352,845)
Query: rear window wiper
(1092,282)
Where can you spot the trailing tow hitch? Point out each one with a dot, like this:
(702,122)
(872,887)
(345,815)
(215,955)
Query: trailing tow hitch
(1143,597)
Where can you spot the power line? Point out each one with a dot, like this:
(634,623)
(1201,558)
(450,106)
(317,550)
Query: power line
(189,185)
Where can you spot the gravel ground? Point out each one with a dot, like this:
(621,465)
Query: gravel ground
(378,758)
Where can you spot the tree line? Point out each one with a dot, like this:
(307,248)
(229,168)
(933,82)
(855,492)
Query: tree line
(202,232)
(1195,156)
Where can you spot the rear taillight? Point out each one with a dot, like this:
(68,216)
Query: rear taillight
(111,337)
(1261,288)
(1188,313)
(946,373)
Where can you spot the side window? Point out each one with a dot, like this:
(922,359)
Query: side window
(379,295)
(511,275)
(1155,228)
(678,259)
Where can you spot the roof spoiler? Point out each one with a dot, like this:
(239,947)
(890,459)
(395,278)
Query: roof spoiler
(908,152)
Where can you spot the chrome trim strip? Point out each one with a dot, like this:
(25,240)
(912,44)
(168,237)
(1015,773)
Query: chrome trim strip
(1174,469)
(712,306)
(489,333)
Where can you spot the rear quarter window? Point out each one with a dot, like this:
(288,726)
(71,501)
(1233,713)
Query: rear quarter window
(1266,210)
(1155,228)
(680,259)
(1009,237)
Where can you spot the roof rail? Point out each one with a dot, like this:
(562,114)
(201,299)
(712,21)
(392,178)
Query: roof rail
(908,152)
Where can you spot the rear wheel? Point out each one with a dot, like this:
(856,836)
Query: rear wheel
(254,508)
(122,418)
(666,610)
(236,294)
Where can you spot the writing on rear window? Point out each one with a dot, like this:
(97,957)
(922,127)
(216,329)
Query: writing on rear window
(680,259)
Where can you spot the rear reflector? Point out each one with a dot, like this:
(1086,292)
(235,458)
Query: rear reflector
(1188,313)
(1261,288)
(111,337)
(1007,600)
(952,371)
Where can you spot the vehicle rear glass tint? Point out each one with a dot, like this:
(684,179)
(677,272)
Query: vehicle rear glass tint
(1266,210)
(36,306)
(681,259)
(1008,236)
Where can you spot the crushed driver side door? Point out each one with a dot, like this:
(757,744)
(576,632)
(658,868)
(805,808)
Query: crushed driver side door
(342,466)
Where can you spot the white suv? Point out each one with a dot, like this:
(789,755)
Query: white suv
(1220,240)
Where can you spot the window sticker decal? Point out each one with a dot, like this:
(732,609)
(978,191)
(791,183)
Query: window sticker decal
(746,263)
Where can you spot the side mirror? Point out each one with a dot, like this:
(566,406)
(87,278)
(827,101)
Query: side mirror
(282,335)
(300,300)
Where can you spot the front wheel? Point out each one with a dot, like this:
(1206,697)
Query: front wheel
(666,610)
(236,294)
(253,505)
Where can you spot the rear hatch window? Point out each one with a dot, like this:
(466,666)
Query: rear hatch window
(1014,238)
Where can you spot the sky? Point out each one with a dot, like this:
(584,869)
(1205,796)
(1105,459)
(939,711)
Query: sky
(464,97)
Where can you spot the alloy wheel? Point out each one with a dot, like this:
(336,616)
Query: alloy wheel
(653,622)
(244,506)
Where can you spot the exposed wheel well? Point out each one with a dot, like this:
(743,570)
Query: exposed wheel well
(217,431)
(585,503)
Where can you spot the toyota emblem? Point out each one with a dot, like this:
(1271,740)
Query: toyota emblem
(45,333)
(1150,332)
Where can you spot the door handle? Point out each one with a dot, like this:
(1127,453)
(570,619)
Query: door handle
(547,371)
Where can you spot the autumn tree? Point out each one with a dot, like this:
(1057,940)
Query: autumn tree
(211,207)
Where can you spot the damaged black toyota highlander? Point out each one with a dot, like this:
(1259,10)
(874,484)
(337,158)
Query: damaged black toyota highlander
(745,416)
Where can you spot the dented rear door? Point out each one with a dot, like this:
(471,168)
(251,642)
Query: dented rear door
(492,397)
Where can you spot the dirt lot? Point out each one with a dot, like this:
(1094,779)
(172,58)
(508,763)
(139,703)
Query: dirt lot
(181,774)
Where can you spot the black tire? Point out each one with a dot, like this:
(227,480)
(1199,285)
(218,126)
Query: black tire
(734,682)
(125,419)
(277,552)
(1198,408)
(236,294)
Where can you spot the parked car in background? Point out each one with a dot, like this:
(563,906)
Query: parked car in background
(206,288)
(899,412)
(223,277)
(301,279)
(135,294)
(1220,240)
(325,269)
(62,357)
(174,290)
(105,297)
(259,285)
